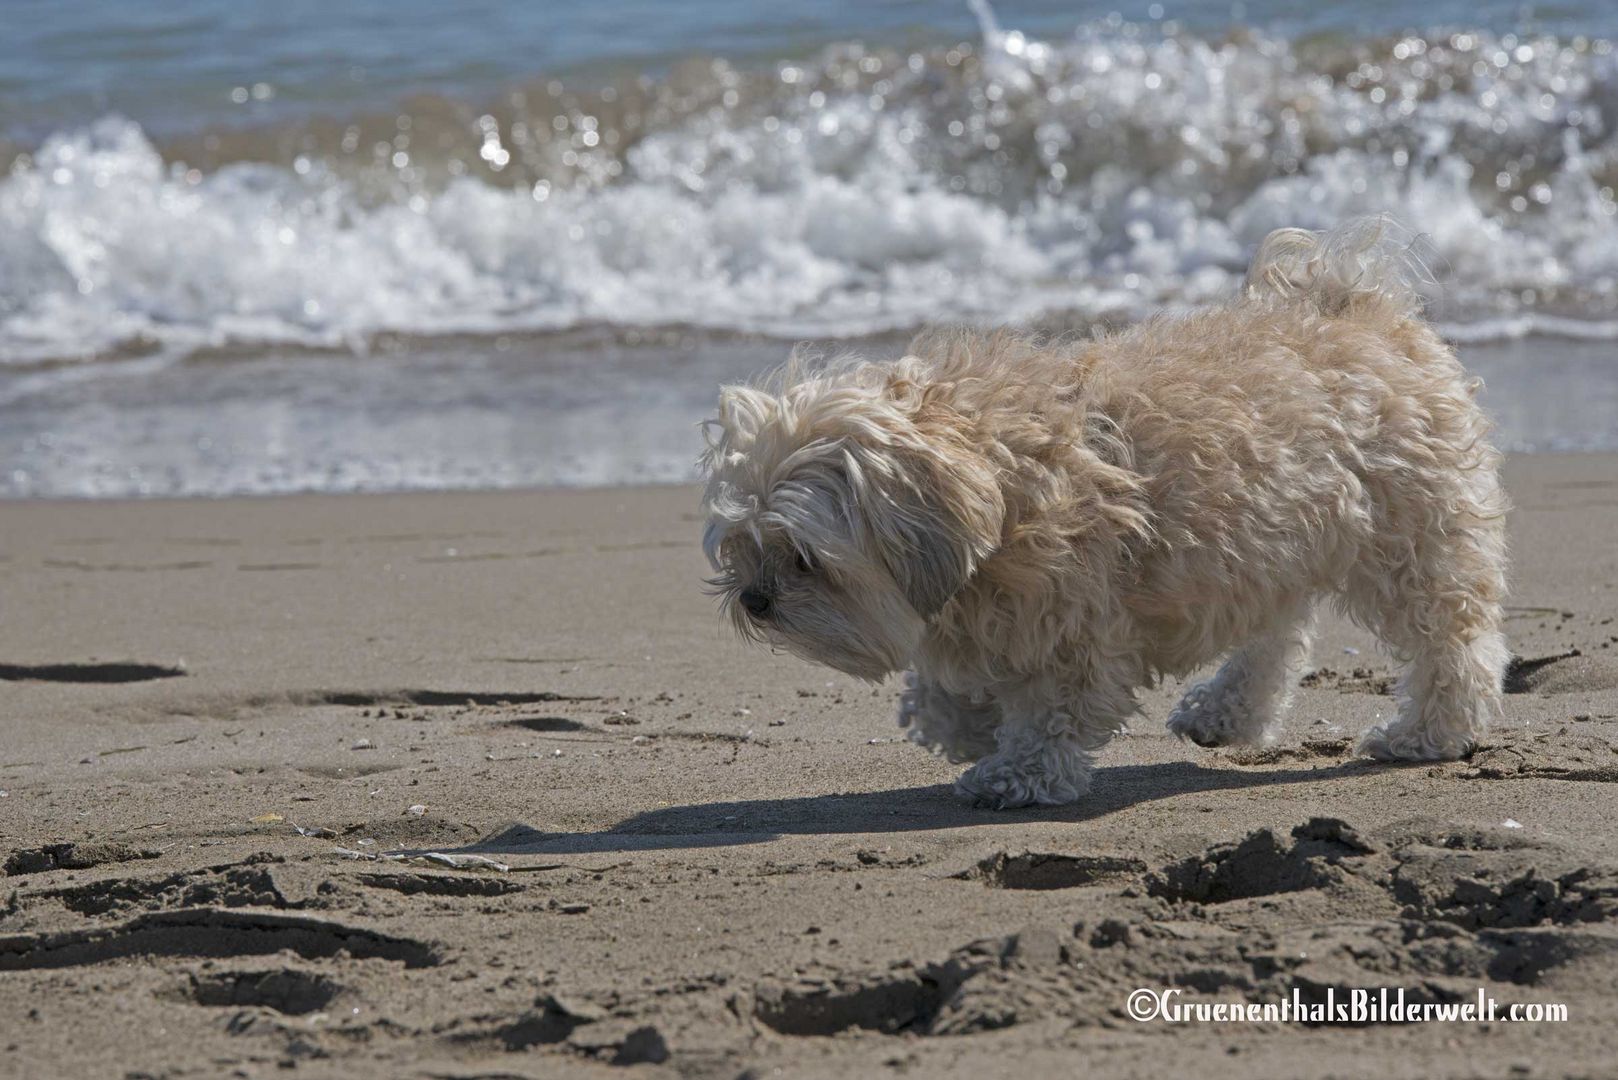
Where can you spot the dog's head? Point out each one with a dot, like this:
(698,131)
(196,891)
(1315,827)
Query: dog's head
(845,508)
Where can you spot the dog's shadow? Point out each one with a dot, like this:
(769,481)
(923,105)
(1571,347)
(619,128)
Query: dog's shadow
(898,810)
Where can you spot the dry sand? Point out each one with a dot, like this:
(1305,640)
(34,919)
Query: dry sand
(723,862)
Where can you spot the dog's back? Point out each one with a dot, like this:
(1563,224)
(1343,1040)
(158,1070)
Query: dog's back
(1276,446)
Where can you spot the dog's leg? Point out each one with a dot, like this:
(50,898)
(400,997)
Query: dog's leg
(1246,700)
(1043,756)
(1037,760)
(960,729)
(1448,695)
(1439,608)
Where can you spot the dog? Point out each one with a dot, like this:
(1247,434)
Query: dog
(1033,531)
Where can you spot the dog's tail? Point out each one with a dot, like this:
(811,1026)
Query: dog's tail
(1371,262)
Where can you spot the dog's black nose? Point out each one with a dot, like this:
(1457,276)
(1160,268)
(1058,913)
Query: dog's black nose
(756,603)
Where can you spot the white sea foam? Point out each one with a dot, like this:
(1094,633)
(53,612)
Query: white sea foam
(1107,174)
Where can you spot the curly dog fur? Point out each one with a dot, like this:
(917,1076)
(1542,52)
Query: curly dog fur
(1033,531)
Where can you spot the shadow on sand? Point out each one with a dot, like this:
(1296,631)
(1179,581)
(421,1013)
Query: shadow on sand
(898,810)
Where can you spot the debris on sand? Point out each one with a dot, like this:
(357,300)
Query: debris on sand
(455,860)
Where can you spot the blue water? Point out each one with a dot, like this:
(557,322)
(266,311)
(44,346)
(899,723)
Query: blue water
(254,247)
(173,65)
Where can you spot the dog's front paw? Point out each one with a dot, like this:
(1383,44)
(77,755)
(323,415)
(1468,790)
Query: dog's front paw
(1212,715)
(1004,785)
(991,792)
(1400,740)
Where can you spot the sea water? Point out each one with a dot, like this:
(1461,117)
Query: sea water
(259,248)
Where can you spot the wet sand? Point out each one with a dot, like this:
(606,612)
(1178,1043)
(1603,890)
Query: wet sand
(218,721)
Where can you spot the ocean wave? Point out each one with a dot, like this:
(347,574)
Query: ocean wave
(1120,170)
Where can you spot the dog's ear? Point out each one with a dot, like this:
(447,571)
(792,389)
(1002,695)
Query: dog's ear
(742,412)
(934,512)
(730,437)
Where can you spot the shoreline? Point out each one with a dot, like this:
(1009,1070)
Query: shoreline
(539,414)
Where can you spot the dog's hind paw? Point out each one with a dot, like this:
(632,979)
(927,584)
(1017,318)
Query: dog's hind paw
(1400,740)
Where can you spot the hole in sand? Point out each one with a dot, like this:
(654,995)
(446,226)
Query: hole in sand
(1048,870)
(88,673)
(544,724)
(366,698)
(209,932)
(286,991)
(1525,675)
(1262,865)
(902,1001)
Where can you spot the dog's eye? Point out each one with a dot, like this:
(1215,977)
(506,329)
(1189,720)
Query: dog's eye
(805,564)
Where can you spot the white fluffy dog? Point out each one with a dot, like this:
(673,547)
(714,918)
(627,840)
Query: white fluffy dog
(1034,530)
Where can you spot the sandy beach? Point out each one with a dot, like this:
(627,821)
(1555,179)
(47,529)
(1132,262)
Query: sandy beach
(221,718)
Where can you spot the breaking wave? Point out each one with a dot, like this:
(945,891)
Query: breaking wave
(867,188)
